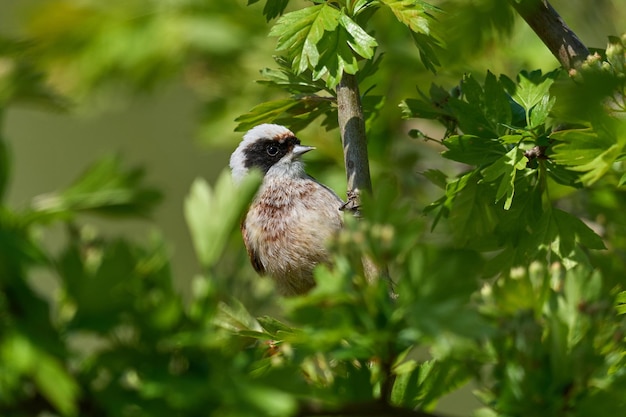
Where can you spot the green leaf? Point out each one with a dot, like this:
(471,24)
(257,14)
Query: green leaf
(432,106)
(572,230)
(436,291)
(539,113)
(437,378)
(336,58)
(235,317)
(268,400)
(473,150)
(272,8)
(56,384)
(48,373)
(105,280)
(497,107)
(105,188)
(412,13)
(300,31)
(436,177)
(323,39)
(532,87)
(471,210)
(591,152)
(265,112)
(415,15)
(358,39)
(21,78)
(297,113)
(621,302)
(505,167)
(213,213)
(338,50)
(294,83)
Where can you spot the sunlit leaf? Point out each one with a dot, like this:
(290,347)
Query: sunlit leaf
(213,213)
(417,16)
(532,87)
(300,31)
(587,151)
(323,39)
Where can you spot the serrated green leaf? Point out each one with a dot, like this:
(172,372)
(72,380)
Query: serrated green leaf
(539,113)
(505,167)
(300,31)
(324,40)
(415,15)
(471,210)
(338,50)
(436,177)
(586,150)
(337,57)
(412,13)
(472,91)
(273,326)
(235,317)
(573,230)
(437,378)
(405,388)
(497,106)
(531,87)
(473,150)
(285,78)
(482,111)
(297,112)
(358,39)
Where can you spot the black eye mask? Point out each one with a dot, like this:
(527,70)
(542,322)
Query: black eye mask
(264,153)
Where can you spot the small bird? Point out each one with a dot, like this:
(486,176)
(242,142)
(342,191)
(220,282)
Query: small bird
(292,218)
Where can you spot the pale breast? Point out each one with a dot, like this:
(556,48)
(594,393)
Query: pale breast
(288,228)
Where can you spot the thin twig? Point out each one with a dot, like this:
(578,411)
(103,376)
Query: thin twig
(552,30)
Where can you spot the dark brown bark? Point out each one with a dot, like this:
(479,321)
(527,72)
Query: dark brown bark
(552,30)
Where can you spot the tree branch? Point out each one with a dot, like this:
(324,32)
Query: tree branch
(552,30)
(353,138)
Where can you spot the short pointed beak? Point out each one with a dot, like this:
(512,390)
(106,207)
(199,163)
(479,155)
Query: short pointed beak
(299,149)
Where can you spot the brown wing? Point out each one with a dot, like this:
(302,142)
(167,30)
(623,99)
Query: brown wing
(254,258)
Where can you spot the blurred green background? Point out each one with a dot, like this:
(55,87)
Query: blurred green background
(180,125)
(183,126)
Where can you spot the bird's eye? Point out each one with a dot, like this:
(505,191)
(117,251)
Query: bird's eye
(272,150)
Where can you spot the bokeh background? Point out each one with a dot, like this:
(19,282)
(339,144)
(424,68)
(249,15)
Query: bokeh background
(168,101)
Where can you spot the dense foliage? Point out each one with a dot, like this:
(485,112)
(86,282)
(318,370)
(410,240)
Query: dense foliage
(512,278)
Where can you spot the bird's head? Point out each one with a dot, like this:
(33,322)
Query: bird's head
(268,147)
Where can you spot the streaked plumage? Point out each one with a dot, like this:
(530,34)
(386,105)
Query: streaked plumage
(292,218)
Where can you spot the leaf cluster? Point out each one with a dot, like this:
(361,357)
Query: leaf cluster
(524,296)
